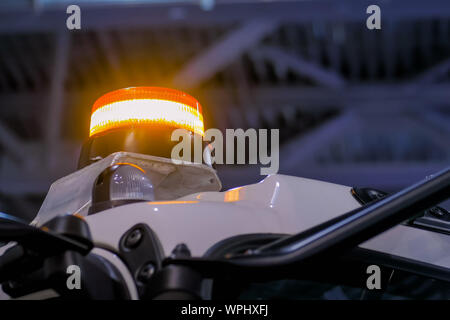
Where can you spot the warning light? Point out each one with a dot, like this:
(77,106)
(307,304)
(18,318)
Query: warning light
(146,106)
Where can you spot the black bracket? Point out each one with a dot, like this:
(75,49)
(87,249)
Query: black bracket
(141,251)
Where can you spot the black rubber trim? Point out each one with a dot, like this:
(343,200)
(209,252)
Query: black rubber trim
(400,263)
(431,224)
(239,243)
(366,195)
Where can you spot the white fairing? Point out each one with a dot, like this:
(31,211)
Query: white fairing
(72,194)
(278,204)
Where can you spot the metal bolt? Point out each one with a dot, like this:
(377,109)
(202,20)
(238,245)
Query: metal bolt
(133,238)
(437,212)
(146,272)
(181,250)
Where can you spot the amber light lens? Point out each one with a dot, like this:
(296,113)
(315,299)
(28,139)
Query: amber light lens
(146,106)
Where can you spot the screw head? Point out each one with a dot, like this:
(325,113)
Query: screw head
(437,212)
(146,272)
(133,238)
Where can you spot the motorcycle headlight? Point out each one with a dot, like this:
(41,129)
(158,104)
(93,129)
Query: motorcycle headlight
(121,184)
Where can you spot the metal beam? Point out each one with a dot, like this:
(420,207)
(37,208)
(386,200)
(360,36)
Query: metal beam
(56,100)
(377,98)
(433,73)
(384,176)
(12,144)
(107,44)
(367,98)
(438,121)
(389,47)
(24,185)
(222,53)
(225,12)
(286,60)
(18,104)
(11,65)
(14,180)
(302,150)
(23,57)
(434,127)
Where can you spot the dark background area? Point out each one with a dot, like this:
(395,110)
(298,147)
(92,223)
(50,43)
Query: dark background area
(354,106)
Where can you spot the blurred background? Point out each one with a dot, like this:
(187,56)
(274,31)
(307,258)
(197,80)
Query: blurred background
(354,106)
